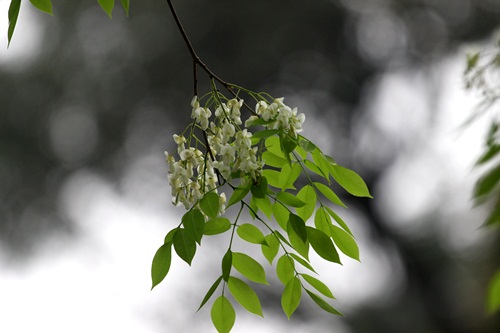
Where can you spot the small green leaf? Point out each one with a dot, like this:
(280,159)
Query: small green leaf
(273,145)
(282,238)
(290,200)
(194,224)
(184,245)
(169,238)
(107,5)
(281,215)
(350,181)
(487,182)
(322,163)
(273,160)
(245,295)
(285,269)
(338,219)
(265,206)
(318,285)
(329,194)
(322,221)
(126,5)
(217,226)
(249,268)
(251,233)
(223,314)
(227,263)
(210,292)
(302,262)
(271,249)
(259,188)
(210,204)
(272,177)
(288,175)
(345,242)
(298,225)
(298,244)
(264,134)
(291,296)
(161,263)
(238,195)
(323,245)
(287,144)
(15,6)
(307,145)
(308,195)
(493,303)
(313,167)
(322,303)
(43,5)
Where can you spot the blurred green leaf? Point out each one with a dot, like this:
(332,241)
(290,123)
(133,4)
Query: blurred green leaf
(493,303)
(15,6)
(107,5)
(43,5)
(487,183)
(126,6)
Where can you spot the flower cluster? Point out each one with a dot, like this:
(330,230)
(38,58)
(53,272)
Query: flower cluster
(229,148)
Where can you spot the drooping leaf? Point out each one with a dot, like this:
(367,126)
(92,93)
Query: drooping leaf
(307,195)
(43,5)
(238,195)
(273,145)
(338,219)
(329,194)
(161,263)
(322,303)
(107,5)
(288,175)
(298,225)
(307,145)
(223,314)
(282,238)
(323,245)
(265,206)
(15,6)
(249,268)
(210,292)
(227,263)
(313,167)
(271,249)
(299,150)
(210,204)
(169,238)
(184,245)
(264,133)
(487,183)
(217,226)
(259,188)
(285,269)
(298,244)
(273,160)
(194,224)
(287,144)
(126,6)
(281,215)
(318,285)
(303,262)
(350,181)
(345,242)
(244,295)
(493,297)
(251,234)
(322,163)
(322,221)
(273,177)
(291,296)
(290,200)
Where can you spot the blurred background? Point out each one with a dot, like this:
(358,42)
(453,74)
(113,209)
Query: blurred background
(88,105)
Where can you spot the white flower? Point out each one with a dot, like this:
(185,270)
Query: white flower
(250,121)
(228,131)
(227,152)
(222,203)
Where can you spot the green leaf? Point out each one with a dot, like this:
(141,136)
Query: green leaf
(265,206)
(318,285)
(323,245)
(264,133)
(322,163)
(43,5)
(107,5)
(259,189)
(287,144)
(313,167)
(210,292)
(249,268)
(298,244)
(350,181)
(217,226)
(210,204)
(289,175)
(487,183)
(308,195)
(307,145)
(15,6)
(493,303)
(238,195)
(492,151)
(285,269)
(251,233)
(298,225)
(322,303)
(271,249)
(338,219)
(322,221)
(273,160)
(169,238)
(126,5)
(194,224)
(290,200)
(281,215)
(329,194)
(223,315)
(184,245)
(282,238)
(227,263)
(302,153)
(345,242)
(273,177)
(302,262)
(273,145)
(161,263)
(291,296)
(245,295)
